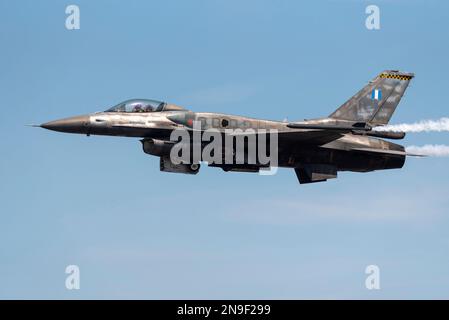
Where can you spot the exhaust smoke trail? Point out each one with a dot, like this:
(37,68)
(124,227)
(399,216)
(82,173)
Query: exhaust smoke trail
(431,150)
(421,126)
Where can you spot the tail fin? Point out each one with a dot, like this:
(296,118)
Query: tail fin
(377,101)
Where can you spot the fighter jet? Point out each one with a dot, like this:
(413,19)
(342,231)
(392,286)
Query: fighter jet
(317,149)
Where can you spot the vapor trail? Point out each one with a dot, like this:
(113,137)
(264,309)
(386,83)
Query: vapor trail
(432,150)
(421,126)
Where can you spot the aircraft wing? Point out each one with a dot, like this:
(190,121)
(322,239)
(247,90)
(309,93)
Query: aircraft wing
(359,126)
(313,136)
(392,152)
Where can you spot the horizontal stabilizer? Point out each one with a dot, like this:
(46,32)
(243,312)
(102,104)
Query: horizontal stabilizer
(390,152)
(416,155)
(383,151)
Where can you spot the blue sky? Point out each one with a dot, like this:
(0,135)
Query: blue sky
(102,204)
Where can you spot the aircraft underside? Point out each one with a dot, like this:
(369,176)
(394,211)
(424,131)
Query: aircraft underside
(311,163)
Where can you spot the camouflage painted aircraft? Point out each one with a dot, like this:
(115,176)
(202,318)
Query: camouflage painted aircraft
(316,149)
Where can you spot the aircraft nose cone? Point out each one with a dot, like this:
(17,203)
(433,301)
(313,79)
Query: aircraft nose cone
(78,124)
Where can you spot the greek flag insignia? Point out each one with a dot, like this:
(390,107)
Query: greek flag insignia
(376,94)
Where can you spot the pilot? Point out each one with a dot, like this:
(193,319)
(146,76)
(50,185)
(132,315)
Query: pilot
(137,108)
(148,108)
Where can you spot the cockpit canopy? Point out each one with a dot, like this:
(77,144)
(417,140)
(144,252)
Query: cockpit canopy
(144,105)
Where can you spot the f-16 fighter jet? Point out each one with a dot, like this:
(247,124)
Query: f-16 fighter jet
(346,140)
